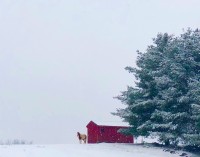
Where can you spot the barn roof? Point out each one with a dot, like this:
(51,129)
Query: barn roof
(111,123)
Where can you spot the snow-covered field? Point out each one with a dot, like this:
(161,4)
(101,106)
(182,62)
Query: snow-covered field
(84,150)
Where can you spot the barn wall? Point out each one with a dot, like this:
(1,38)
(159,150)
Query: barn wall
(109,134)
(92,132)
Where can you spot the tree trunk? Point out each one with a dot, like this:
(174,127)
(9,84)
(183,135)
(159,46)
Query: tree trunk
(167,142)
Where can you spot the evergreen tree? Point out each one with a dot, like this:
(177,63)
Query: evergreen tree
(166,98)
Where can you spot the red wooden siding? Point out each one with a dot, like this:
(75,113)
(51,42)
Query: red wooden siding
(99,133)
(92,132)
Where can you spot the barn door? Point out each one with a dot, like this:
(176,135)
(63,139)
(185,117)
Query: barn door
(102,134)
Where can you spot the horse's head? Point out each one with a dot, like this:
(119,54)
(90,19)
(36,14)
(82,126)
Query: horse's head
(79,135)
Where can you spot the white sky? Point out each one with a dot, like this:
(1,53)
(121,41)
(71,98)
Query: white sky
(62,61)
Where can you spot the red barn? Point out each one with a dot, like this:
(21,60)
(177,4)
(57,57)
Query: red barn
(105,133)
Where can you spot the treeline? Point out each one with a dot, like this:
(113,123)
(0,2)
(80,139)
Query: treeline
(15,142)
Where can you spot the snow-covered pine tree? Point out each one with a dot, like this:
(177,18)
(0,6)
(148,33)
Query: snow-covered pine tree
(166,98)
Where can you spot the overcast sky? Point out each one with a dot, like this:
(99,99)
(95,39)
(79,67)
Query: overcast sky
(62,61)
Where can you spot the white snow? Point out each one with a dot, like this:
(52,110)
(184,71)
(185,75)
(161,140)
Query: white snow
(84,150)
(111,123)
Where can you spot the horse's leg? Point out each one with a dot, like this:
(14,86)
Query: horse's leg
(85,139)
(80,141)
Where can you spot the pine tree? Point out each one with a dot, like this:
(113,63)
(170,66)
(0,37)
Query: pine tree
(166,98)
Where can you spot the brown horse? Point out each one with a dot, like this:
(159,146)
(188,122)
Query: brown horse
(81,137)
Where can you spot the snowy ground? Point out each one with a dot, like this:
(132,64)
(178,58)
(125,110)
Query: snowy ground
(84,150)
